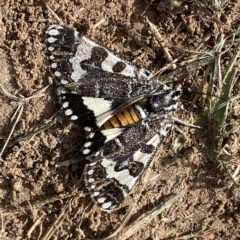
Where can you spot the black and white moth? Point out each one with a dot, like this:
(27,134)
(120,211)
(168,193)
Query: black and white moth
(126,110)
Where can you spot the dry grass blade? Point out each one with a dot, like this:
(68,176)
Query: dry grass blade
(30,135)
(220,110)
(36,203)
(185,123)
(146,8)
(68,162)
(2,225)
(33,227)
(185,68)
(147,49)
(215,76)
(234,178)
(21,101)
(225,103)
(99,23)
(202,7)
(16,115)
(19,113)
(8,94)
(161,42)
(58,221)
(39,93)
(145,221)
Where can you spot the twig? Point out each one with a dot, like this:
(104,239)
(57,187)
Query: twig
(145,221)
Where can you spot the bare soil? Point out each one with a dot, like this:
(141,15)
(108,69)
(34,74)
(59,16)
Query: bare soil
(42,200)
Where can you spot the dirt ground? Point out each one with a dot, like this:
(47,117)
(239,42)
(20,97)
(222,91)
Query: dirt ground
(41,199)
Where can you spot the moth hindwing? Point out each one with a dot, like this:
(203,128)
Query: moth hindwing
(126,110)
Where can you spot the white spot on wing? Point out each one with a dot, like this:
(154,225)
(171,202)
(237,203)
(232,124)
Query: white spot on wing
(53,65)
(106,205)
(87,144)
(88,129)
(62,91)
(53,32)
(90,180)
(64,81)
(90,172)
(57,74)
(68,112)
(86,151)
(96,153)
(51,39)
(91,134)
(74,117)
(65,104)
(101,200)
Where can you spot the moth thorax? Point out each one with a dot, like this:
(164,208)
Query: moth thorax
(158,103)
(128,116)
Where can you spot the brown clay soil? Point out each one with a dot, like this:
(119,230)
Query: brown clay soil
(40,199)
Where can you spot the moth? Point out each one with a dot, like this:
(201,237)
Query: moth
(124,108)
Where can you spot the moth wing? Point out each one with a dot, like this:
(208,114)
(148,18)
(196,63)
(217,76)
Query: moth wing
(80,65)
(117,166)
(93,82)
